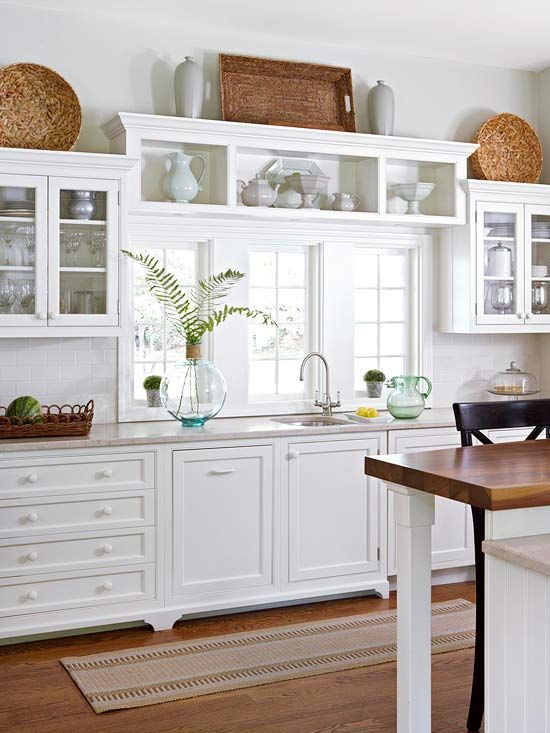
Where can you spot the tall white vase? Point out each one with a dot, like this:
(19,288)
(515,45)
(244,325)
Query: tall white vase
(189,88)
(381,109)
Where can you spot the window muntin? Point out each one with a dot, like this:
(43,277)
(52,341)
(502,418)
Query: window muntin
(380,313)
(277,282)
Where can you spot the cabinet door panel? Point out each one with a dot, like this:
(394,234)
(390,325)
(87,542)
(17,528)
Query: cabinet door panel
(333,510)
(452,535)
(537,264)
(223,513)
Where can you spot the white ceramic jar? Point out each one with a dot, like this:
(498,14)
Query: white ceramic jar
(189,88)
(345,202)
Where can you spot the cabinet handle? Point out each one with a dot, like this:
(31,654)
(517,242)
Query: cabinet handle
(32,556)
(528,315)
(221,471)
(32,478)
(32,516)
(107,510)
(107,585)
(521,316)
(107,548)
(42,316)
(107,473)
(293,454)
(32,595)
(52,316)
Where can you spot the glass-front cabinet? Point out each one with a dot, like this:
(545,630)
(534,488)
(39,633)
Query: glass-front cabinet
(59,250)
(513,264)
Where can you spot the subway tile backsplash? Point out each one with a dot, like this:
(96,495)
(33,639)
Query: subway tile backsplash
(73,370)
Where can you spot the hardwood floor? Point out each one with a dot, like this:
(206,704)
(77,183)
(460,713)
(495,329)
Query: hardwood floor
(37,695)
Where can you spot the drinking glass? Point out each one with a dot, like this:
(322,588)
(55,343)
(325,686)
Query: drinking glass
(25,296)
(30,244)
(7,296)
(8,232)
(96,243)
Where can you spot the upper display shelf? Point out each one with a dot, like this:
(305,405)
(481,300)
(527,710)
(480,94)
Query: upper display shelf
(206,168)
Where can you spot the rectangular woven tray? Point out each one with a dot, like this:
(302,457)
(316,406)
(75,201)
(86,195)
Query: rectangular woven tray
(55,421)
(270,92)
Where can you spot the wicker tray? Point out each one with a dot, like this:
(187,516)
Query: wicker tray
(55,422)
(270,92)
(509,150)
(38,109)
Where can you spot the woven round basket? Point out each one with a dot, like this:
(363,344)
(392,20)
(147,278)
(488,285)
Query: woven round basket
(509,150)
(38,109)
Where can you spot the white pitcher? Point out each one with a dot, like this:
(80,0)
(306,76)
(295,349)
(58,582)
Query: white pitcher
(180,183)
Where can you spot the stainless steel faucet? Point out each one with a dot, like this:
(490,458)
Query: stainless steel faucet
(326,404)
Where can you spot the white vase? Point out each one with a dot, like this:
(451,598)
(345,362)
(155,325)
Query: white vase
(180,183)
(381,109)
(189,88)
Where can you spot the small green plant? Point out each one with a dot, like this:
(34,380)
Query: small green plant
(374,375)
(152,382)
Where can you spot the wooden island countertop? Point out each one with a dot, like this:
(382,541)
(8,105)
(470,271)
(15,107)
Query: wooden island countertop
(494,477)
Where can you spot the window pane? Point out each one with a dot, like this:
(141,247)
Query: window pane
(392,271)
(262,378)
(289,378)
(148,343)
(182,263)
(146,307)
(264,299)
(291,341)
(366,340)
(392,339)
(392,366)
(262,342)
(292,269)
(362,366)
(292,306)
(140,372)
(366,305)
(366,271)
(175,344)
(262,269)
(392,305)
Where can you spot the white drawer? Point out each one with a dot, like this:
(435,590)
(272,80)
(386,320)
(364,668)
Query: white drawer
(64,474)
(54,553)
(69,590)
(48,515)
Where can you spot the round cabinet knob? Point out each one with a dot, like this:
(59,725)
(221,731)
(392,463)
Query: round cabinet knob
(528,315)
(32,556)
(32,478)
(107,472)
(32,595)
(107,548)
(107,510)
(32,516)
(521,316)
(107,585)
(52,316)
(293,454)
(42,316)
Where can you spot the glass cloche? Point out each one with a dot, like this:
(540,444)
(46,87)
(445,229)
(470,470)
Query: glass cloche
(513,382)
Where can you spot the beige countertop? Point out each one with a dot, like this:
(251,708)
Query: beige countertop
(219,429)
(532,553)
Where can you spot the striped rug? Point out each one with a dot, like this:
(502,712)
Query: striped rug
(158,673)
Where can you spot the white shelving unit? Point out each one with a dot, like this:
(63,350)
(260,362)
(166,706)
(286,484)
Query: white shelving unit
(368,165)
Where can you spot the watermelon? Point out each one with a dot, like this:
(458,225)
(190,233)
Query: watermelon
(23,407)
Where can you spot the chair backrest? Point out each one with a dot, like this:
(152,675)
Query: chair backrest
(473,417)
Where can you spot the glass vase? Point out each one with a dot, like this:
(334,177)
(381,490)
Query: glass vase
(194,390)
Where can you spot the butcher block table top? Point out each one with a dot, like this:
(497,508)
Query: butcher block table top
(494,477)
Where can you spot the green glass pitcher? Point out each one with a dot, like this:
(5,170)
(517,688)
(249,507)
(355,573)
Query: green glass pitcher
(406,400)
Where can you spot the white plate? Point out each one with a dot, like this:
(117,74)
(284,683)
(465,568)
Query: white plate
(281,167)
(380,419)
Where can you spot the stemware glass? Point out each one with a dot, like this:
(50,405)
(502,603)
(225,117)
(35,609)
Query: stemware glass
(96,243)
(76,241)
(8,232)
(30,244)
(25,296)
(7,296)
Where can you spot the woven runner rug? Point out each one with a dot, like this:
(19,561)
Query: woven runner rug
(158,673)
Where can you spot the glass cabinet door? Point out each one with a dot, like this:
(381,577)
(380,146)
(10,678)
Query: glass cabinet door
(23,250)
(500,264)
(83,279)
(537,264)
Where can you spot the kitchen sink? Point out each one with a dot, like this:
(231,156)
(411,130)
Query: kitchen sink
(311,421)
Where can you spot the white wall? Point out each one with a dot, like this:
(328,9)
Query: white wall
(127,65)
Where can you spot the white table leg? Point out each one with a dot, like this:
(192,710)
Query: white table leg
(414,516)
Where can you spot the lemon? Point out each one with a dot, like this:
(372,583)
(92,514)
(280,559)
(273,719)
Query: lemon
(372,412)
(362,411)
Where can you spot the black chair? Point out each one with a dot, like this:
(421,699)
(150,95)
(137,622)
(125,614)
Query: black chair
(471,419)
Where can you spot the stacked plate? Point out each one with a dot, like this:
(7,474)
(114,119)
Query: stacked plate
(539,271)
(16,208)
(540,229)
(502,230)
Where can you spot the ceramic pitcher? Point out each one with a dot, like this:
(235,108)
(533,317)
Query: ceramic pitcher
(180,183)
(406,400)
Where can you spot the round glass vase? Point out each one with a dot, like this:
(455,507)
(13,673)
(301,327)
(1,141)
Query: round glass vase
(194,390)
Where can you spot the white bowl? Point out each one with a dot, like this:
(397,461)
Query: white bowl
(413,194)
(309,187)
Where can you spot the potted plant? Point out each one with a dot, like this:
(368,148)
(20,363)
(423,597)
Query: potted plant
(151,385)
(374,380)
(194,391)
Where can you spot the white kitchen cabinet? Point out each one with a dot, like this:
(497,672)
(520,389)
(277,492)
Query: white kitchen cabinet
(452,533)
(222,520)
(335,533)
(59,273)
(486,267)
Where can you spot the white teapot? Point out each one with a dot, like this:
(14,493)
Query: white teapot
(258,192)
